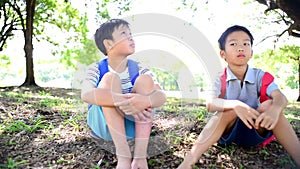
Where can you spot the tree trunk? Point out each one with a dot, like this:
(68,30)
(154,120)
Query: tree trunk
(28,47)
(298,100)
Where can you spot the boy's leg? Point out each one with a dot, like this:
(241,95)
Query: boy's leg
(143,85)
(115,121)
(287,137)
(211,133)
(285,134)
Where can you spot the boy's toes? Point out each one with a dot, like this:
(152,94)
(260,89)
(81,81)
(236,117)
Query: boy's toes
(139,163)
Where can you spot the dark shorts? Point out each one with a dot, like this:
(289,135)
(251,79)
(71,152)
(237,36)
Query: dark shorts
(243,136)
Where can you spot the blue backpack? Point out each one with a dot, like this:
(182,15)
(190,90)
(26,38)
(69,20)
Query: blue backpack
(133,70)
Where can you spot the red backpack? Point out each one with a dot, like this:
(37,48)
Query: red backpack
(265,81)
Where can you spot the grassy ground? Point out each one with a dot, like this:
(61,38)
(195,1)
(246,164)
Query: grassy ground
(46,128)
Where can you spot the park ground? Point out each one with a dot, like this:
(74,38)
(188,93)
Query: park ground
(46,128)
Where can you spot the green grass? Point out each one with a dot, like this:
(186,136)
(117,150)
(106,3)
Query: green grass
(20,125)
(68,112)
(11,163)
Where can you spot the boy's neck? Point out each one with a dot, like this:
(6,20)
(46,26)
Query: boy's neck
(119,64)
(239,71)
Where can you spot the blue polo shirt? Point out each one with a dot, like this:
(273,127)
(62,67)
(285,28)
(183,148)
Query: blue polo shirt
(249,92)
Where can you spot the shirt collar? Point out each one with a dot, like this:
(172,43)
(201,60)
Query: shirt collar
(250,78)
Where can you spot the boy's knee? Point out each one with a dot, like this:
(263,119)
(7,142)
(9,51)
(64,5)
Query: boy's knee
(264,106)
(225,117)
(144,83)
(229,116)
(109,80)
(145,79)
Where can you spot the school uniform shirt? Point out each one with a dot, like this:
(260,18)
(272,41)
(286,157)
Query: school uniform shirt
(249,92)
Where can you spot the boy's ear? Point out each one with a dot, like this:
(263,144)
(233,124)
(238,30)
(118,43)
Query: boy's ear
(222,54)
(108,44)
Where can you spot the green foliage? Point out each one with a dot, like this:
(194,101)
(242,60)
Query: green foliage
(282,63)
(167,80)
(200,81)
(5,61)
(51,73)
(18,126)
(50,102)
(293,81)
(6,72)
(11,163)
(286,160)
(86,52)
(62,15)
(200,113)
(89,53)
(62,160)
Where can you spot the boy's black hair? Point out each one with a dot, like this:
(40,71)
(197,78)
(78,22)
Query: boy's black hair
(105,32)
(231,29)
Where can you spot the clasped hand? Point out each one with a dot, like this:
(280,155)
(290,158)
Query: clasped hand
(253,118)
(136,105)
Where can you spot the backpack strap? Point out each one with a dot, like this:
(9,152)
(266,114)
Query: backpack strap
(103,68)
(266,80)
(133,70)
(223,84)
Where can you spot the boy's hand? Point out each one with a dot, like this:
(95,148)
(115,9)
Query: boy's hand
(134,104)
(270,110)
(267,119)
(247,114)
(145,115)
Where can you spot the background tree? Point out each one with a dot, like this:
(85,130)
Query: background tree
(34,17)
(285,62)
(87,52)
(31,17)
(293,53)
(288,11)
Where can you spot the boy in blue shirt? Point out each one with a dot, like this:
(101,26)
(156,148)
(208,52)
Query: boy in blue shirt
(239,117)
(120,109)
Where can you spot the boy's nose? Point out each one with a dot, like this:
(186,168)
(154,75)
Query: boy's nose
(241,48)
(129,37)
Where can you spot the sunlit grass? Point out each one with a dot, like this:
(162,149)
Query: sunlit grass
(11,163)
(42,100)
(30,126)
(70,113)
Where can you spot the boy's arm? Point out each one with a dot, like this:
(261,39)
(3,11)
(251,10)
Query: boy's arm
(136,103)
(279,101)
(221,105)
(157,97)
(269,118)
(246,113)
(98,96)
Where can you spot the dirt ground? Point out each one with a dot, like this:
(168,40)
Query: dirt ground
(60,138)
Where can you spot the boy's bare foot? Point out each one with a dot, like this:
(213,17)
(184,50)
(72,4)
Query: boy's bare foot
(139,163)
(123,163)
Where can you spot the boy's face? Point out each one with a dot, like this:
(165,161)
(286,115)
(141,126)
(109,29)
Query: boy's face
(238,49)
(122,42)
